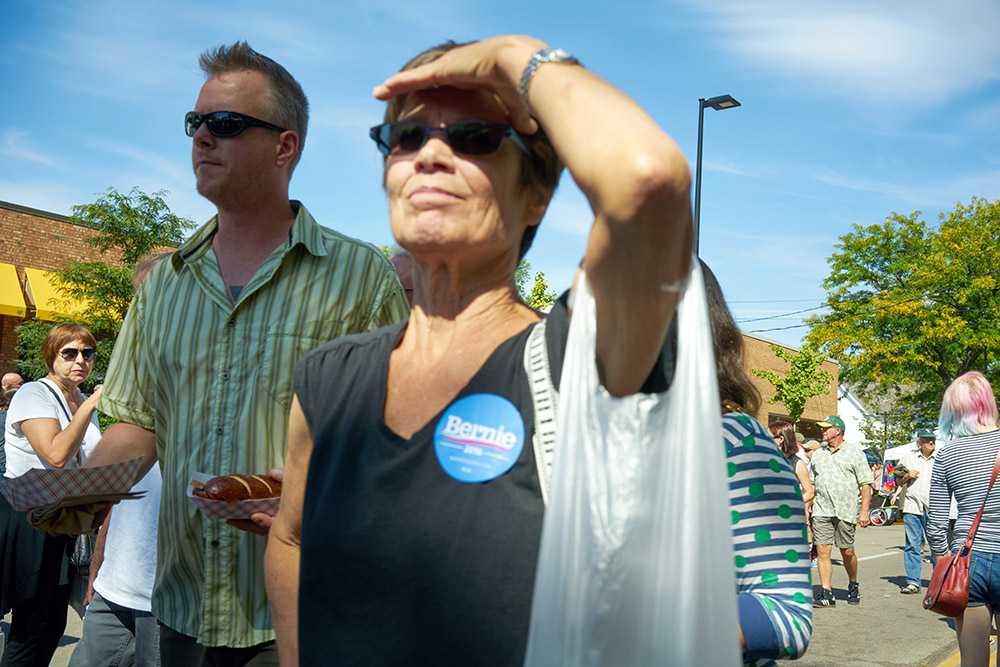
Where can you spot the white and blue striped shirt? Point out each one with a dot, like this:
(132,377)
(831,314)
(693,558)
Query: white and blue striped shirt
(963,467)
(770,544)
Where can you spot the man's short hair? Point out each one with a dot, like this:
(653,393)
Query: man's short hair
(287,106)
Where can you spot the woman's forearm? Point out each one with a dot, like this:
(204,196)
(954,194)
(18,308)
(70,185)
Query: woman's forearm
(56,446)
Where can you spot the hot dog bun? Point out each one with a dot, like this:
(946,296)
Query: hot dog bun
(234,488)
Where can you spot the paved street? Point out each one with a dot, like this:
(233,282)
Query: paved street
(886,630)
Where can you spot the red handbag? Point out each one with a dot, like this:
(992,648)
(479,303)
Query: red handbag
(948,592)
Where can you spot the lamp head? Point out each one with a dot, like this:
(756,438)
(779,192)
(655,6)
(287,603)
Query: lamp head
(721,102)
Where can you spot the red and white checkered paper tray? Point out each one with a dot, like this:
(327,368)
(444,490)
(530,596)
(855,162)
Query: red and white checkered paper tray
(220,509)
(39,487)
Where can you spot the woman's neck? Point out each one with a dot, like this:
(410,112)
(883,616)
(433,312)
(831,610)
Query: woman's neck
(68,388)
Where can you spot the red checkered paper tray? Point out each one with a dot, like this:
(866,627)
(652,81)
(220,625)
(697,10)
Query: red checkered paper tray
(220,509)
(39,486)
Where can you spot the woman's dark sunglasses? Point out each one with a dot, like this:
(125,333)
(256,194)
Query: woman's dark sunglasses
(470,137)
(224,123)
(70,354)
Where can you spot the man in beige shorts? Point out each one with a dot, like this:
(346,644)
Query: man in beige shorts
(838,470)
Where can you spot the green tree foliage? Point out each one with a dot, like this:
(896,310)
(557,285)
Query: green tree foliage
(539,297)
(129,228)
(910,304)
(803,379)
(890,429)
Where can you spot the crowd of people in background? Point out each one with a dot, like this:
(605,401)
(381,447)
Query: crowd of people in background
(223,365)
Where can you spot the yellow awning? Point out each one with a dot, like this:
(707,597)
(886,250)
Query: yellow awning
(50,303)
(11,298)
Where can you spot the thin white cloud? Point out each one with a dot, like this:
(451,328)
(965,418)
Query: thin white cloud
(14,146)
(942,193)
(569,211)
(732,168)
(897,52)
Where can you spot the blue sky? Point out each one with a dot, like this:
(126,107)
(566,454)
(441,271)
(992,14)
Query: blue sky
(851,110)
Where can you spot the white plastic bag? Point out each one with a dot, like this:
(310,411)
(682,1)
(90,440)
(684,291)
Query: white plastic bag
(636,562)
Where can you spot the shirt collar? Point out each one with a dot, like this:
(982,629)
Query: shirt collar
(304,230)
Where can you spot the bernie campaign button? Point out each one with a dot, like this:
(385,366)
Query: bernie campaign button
(479,438)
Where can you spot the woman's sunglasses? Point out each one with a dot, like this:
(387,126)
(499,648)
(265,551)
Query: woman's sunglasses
(224,123)
(70,354)
(469,137)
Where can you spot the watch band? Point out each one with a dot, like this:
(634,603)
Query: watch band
(537,59)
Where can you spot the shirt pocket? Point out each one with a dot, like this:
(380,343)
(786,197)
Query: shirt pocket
(284,346)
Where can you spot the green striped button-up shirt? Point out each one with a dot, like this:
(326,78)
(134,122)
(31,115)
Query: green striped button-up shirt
(213,380)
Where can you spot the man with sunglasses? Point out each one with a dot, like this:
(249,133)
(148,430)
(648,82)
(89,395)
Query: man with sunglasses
(201,377)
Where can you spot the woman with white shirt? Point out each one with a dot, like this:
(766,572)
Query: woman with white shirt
(50,424)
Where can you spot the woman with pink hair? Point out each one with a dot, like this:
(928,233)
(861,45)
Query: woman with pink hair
(968,424)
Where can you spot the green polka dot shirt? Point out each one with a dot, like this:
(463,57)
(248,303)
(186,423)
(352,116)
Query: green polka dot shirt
(769,542)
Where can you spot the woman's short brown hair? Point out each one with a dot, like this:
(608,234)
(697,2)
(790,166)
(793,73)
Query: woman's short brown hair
(540,173)
(61,334)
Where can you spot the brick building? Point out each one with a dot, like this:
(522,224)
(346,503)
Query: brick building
(759,355)
(34,243)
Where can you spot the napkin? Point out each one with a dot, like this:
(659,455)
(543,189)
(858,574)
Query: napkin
(74,515)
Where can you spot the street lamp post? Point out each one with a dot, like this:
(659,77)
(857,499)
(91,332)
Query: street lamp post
(718,103)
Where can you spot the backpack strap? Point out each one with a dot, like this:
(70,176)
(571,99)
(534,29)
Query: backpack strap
(545,397)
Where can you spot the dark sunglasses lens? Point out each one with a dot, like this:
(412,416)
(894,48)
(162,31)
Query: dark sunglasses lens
(225,124)
(192,122)
(475,137)
(70,354)
(407,137)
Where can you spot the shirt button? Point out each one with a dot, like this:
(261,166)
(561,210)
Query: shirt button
(225,375)
(215,543)
(219,430)
(232,323)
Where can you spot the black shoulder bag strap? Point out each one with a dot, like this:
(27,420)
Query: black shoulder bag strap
(59,400)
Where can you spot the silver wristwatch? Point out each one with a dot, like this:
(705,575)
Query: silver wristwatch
(537,58)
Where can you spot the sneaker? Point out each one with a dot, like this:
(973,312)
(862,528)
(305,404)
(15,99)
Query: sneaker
(824,598)
(853,594)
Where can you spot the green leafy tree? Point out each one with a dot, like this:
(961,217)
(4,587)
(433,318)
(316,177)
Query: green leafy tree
(803,379)
(129,227)
(911,304)
(539,297)
(890,429)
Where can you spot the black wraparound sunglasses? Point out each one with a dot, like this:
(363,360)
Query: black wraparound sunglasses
(471,137)
(224,123)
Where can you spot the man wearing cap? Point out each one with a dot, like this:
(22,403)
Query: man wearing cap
(913,472)
(838,470)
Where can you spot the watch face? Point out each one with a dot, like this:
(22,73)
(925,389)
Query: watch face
(557,55)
